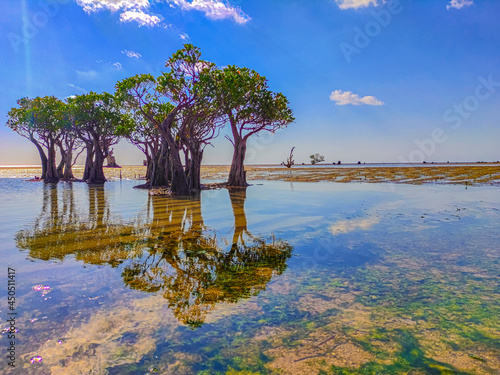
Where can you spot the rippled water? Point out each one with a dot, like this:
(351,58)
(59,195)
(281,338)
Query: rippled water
(291,278)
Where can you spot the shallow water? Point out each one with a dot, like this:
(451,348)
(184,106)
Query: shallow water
(294,278)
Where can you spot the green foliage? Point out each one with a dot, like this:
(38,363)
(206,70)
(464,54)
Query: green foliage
(44,116)
(134,92)
(98,117)
(244,96)
(317,158)
(139,96)
(183,82)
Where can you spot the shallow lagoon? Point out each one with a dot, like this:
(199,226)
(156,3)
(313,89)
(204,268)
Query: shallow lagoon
(293,278)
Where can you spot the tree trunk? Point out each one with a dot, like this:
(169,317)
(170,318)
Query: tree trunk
(194,169)
(149,169)
(97,170)
(237,174)
(149,164)
(60,170)
(68,167)
(178,183)
(60,167)
(52,176)
(89,161)
(178,179)
(168,168)
(159,172)
(43,157)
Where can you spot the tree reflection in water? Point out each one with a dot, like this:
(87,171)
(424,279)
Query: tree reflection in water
(92,237)
(192,268)
(169,250)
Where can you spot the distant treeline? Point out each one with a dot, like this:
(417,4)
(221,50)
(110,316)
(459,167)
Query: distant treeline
(170,118)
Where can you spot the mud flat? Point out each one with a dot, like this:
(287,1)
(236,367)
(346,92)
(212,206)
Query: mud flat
(472,174)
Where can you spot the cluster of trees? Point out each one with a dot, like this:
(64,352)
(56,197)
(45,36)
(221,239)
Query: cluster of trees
(170,118)
(86,122)
(316,158)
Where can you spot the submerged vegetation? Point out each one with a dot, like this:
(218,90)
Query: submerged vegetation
(171,118)
(401,287)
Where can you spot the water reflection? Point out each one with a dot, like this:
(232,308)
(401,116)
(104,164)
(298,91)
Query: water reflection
(190,266)
(403,282)
(93,236)
(167,249)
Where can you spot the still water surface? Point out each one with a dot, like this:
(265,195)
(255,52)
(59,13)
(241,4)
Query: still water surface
(302,278)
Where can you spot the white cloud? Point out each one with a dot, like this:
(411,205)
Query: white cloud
(76,88)
(86,74)
(131,10)
(91,6)
(214,9)
(355,4)
(132,54)
(459,4)
(184,36)
(138,10)
(118,66)
(143,19)
(346,226)
(348,97)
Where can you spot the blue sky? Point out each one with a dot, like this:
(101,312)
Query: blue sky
(368,80)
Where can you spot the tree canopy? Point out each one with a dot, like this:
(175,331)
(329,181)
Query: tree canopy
(96,120)
(42,120)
